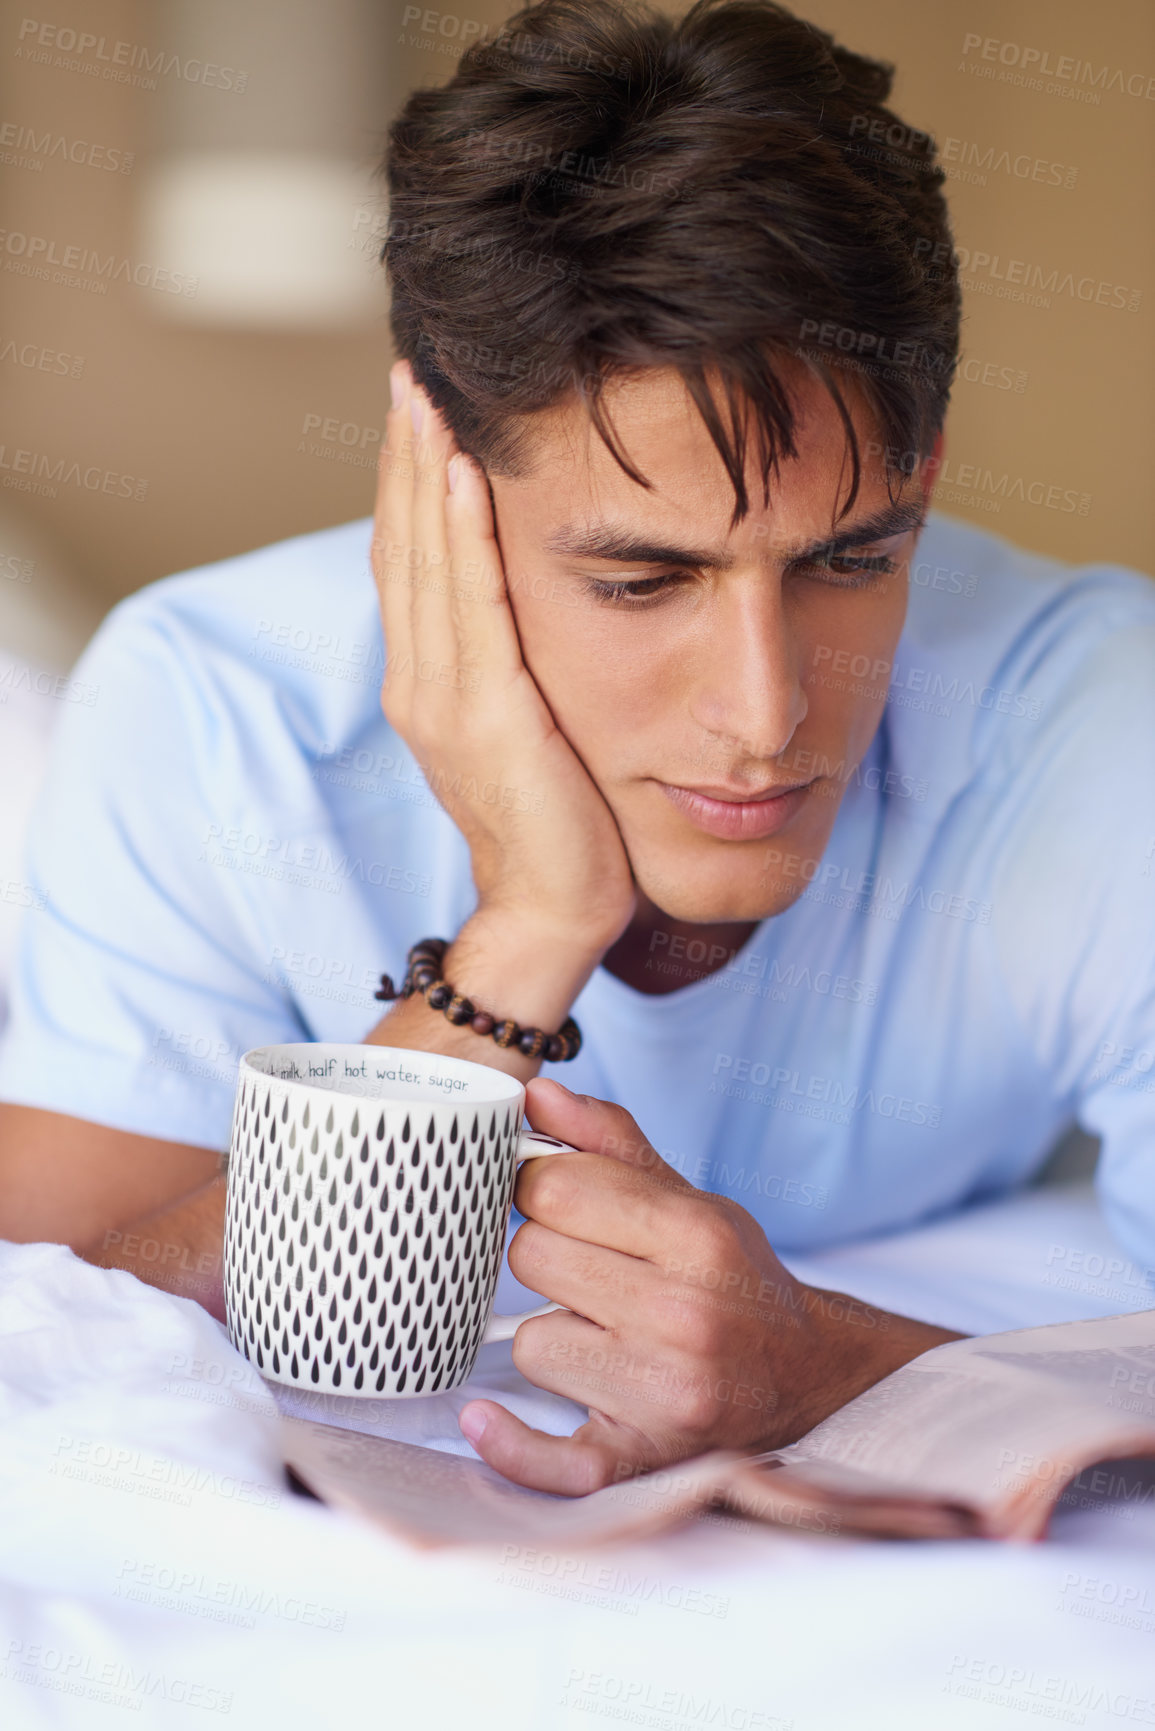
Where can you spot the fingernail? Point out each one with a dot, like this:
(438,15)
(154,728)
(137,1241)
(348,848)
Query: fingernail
(416,411)
(398,384)
(472,1425)
(454,473)
(551,1082)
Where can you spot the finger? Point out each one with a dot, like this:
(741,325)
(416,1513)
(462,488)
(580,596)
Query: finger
(623,1208)
(462,623)
(409,534)
(478,595)
(608,1287)
(595,1125)
(566,1466)
(392,529)
(407,561)
(624,1195)
(507,703)
(432,611)
(596,1367)
(424,657)
(462,669)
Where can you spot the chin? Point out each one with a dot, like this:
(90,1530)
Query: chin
(715,897)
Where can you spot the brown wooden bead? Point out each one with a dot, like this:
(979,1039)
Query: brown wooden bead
(424,974)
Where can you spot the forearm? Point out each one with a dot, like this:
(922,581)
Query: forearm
(531,975)
(505,965)
(178,1249)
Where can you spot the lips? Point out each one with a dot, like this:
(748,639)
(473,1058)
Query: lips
(736,816)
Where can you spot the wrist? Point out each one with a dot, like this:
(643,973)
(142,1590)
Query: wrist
(861,1344)
(854,1345)
(509,968)
(520,967)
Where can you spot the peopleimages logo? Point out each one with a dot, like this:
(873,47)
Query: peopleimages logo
(37,358)
(883,678)
(1034,64)
(41,472)
(23,147)
(217,1597)
(1044,1694)
(46,684)
(306,865)
(46,44)
(40,1665)
(870,892)
(967,160)
(1021,279)
(40,256)
(822,1090)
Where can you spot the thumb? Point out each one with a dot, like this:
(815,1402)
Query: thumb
(593,1125)
(600,1453)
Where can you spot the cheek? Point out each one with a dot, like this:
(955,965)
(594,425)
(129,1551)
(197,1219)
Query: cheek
(599,680)
(847,660)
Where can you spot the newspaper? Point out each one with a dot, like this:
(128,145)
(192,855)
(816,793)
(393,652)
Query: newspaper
(978,1437)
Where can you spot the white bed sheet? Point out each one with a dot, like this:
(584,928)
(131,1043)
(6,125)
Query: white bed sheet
(152,1561)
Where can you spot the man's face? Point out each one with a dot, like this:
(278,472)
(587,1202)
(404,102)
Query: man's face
(696,668)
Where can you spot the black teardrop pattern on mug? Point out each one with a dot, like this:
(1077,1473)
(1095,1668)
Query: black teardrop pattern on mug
(381,1262)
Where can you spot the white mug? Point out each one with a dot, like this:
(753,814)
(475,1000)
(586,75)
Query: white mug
(369,1190)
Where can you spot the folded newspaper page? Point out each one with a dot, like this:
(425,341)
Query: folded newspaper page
(978,1437)
(434,1498)
(986,1433)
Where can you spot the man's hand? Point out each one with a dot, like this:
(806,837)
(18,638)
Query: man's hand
(554,888)
(683,1331)
(544,847)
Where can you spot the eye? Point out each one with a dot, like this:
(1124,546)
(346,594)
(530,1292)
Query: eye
(632,592)
(847,570)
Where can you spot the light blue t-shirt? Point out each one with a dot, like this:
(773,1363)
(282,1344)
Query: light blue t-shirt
(233,845)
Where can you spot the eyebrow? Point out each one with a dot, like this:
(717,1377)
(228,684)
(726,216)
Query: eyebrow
(615,543)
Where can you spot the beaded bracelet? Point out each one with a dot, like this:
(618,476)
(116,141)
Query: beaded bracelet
(423,974)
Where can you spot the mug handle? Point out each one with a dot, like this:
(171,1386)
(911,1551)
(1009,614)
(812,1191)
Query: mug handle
(531,1145)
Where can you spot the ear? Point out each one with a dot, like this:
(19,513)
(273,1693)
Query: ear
(932,464)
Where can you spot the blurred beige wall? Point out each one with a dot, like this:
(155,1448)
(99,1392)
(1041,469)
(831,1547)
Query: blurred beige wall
(227,426)
(1054,188)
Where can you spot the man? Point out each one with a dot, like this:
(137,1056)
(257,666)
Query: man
(831,829)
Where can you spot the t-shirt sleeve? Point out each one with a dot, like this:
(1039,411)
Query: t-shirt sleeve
(1073,902)
(138,981)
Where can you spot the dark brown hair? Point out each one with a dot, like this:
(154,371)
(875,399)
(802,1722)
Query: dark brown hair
(602,189)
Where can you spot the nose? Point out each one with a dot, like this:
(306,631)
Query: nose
(749,689)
